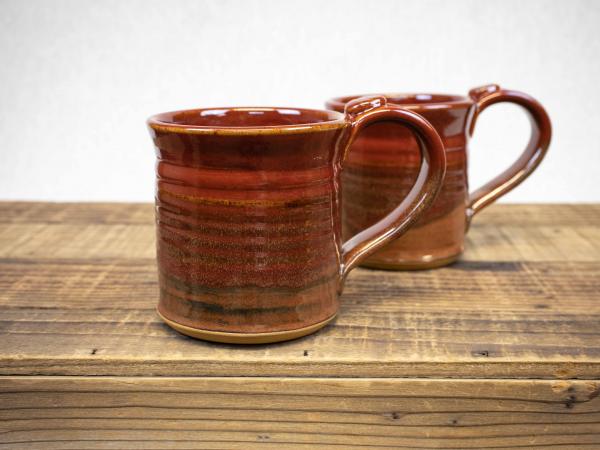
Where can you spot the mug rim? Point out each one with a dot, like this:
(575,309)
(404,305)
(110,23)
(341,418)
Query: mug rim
(165,122)
(428,100)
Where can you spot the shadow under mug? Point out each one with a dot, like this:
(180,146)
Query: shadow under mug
(248,215)
(384,161)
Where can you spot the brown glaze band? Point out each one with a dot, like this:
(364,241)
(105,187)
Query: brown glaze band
(190,122)
(245,338)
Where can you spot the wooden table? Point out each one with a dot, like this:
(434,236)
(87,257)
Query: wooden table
(501,350)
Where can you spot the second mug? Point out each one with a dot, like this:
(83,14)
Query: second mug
(385,160)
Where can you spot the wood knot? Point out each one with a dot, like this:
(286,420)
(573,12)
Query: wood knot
(570,402)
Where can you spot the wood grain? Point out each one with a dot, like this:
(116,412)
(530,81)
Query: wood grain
(78,291)
(501,350)
(237,413)
(67,317)
(502,233)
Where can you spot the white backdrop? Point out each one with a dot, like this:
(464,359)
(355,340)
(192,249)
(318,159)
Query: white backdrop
(79,78)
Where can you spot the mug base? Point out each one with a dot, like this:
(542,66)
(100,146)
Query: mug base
(411,265)
(244,338)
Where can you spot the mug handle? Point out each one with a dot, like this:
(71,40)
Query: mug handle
(366,111)
(541,132)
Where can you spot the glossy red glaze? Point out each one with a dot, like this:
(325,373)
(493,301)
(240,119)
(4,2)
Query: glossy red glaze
(384,161)
(248,216)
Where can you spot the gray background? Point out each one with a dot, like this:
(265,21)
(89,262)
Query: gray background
(79,78)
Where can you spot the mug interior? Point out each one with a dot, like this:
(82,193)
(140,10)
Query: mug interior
(251,117)
(419,99)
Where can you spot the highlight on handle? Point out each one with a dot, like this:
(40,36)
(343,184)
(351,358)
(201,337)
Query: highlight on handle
(531,157)
(366,111)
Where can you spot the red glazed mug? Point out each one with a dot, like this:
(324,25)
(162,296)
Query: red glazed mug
(385,159)
(248,216)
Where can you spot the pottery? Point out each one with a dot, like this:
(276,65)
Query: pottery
(248,215)
(384,161)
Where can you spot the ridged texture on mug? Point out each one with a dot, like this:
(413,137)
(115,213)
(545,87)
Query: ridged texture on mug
(247,230)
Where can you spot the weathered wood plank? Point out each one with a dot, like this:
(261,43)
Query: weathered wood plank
(63,412)
(502,233)
(76,213)
(489,242)
(76,241)
(533,215)
(492,320)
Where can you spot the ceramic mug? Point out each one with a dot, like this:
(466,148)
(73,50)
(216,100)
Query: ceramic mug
(384,161)
(248,215)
